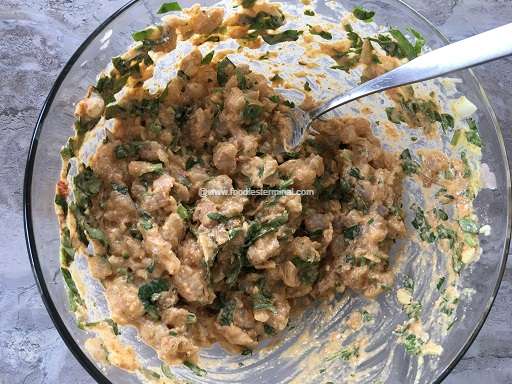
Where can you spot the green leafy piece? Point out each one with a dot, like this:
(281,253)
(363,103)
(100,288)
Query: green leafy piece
(223,67)
(440,283)
(226,314)
(114,110)
(469,226)
(75,300)
(423,227)
(400,46)
(87,185)
(123,151)
(408,284)
(345,354)
(252,112)
(146,221)
(323,34)
(148,295)
(406,48)
(413,344)
(246,352)
(446,233)
(184,212)
(241,80)
(62,202)
(440,214)
(289,103)
(409,166)
(288,35)
(355,172)
(198,371)
(308,271)
(292,155)
(150,33)
(181,114)
(232,233)
(366,316)
(208,58)
(472,136)
(457,263)
(191,162)
(447,122)
(471,239)
(67,151)
(216,216)
(284,184)
(67,252)
(467,168)
(169,7)
(413,310)
(309,12)
(393,115)
(123,189)
(352,232)
(264,21)
(363,14)
(191,318)
(155,127)
(269,330)
(261,301)
(82,126)
(166,370)
(307,87)
(248,3)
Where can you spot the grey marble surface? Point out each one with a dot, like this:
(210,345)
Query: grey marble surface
(37,38)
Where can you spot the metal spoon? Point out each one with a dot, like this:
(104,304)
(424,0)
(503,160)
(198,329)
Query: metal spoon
(475,50)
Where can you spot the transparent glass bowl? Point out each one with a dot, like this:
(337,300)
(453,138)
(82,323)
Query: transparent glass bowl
(55,125)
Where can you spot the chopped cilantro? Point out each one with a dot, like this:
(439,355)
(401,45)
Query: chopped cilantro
(169,7)
(363,14)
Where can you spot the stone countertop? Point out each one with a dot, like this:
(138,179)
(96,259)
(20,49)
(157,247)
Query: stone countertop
(38,37)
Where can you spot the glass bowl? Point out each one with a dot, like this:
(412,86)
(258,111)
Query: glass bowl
(55,125)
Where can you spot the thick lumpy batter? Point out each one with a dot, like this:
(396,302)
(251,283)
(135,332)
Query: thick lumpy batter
(183,261)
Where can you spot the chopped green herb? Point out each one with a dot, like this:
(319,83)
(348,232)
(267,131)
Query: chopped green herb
(447,122)
(413,344)
(226,314)
(309,12)
(269,330)
(393,115)
(62,202)
(67,252)
(446,233)
(355,172)
(191,162)
(184,212)
(166,370)
(352,232)
(288,35)
(409,166)
(148,295)
(345,354)
(198,371)
(471,239)
(307,87)
(323,34)
(216,216)
(366,316)
(146,221)
(264,21)
(155,127)
(408,284)
(208,58)
(363,14)
(289,103)
(150,33)
(223,67)
(440,214)
(252,112)
(123,189)
(423,227)
(169,7)
(75,300)
(467,168)
(468,225)
(87,185)
(261,301)
(440,283)
(472,136)
(308,271)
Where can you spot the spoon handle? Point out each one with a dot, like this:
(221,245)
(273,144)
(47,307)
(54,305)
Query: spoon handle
(475,50)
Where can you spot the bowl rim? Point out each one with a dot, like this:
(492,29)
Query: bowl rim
(58,322)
